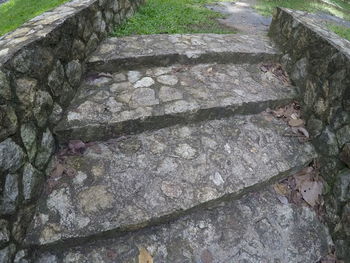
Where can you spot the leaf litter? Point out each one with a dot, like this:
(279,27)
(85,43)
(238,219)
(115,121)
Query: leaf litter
(291,114)
(304,187)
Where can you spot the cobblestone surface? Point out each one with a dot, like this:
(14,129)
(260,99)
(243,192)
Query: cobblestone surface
(131,101)
(131,182)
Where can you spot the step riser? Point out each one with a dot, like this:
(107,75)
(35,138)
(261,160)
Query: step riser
(113,130)
(115,65)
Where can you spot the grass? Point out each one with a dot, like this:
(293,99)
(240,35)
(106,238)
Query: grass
(344,32)
(171,17)
(16,12)
(335,7)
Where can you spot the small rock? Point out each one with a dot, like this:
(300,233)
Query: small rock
(186,151)
(171,189)
(42,107)
(170,80)
(73,72)
(8,121)
(29,135)
(45,150)
(4,232)
(345,154)
(26,89)
(343,135)
(20,257)
(143,97)
(32,180)
(5,91)
(10,195)
(56,79)
(7,253)
(11,156)
(144,83)
(56,114)
(342,186)
(327,143)
(134,76)
(47,258)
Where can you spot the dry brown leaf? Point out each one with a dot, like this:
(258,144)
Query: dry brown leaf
(145,256)
(296,122)
(58,171)
(281,189)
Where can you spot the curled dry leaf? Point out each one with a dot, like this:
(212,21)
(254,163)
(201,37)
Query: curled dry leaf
(144,256)
(295,122)
(76,147)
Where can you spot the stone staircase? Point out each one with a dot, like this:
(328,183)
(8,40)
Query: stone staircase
(180,159)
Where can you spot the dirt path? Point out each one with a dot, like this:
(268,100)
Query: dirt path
(242,16)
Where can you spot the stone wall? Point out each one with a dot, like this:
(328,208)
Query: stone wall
(318,62)
(41,64)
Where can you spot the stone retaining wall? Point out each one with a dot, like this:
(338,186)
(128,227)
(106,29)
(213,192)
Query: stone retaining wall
(41,64)
(318,61)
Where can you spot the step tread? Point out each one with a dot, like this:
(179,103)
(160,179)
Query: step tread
(106,104)
(190,45)
(130,182)
(255,228)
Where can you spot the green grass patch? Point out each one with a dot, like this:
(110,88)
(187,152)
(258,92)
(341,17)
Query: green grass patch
(16,12)
(344,32)
(171,17)
(334,7)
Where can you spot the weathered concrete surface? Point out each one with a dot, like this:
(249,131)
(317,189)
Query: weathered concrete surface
(256,228)
(132,101)
(162,50)
(128,183)
(242,16)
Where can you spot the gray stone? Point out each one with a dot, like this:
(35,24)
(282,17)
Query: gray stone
(299,72)
(346,219)
(314,126)
(4,232)
(342,248)
(92,44)
(342,186)
(158,173)
(78,49)
(7,253)
(202,91)
(42,107)
(9,195)
(5,91)
(11,156)
(170,80)
(26,89)
(144,83)
(57,114)
(32,181)
(20,257)
(29,139)
(345,154)
(255,228)
(327,143)
(56,79)
(8,121)
(343,135)
(45,150)
(74,72)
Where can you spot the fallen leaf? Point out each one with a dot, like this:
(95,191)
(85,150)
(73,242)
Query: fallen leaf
(207,257)
(311,192)
(145,256)
(302,131)
(296,122)
(58,171)
(281,189)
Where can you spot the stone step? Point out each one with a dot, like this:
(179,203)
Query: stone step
(134,101)
(131,182)
(255,228)
(163,50)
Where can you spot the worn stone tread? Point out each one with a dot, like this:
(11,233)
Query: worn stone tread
(255,228)
(134,181)
(162,50)
(133,101)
